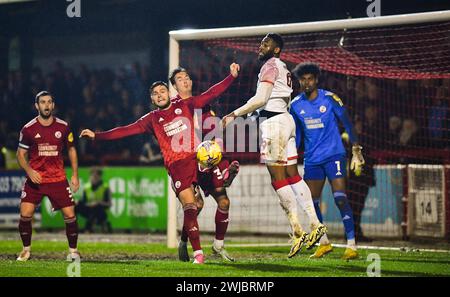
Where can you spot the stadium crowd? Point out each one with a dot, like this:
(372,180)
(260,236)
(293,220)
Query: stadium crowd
(97,99)
(390,115)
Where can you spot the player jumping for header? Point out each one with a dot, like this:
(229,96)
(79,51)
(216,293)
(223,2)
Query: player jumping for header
(278,149)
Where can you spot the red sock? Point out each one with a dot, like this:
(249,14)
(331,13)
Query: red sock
(191,228)
(72,231)
(221,223)
(25,230)
(184,235)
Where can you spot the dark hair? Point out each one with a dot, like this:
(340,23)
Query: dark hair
(175,72)
(277,38)
(157,83)
(42,93)
(306,68)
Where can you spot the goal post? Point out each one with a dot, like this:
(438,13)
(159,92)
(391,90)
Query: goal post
(396,67)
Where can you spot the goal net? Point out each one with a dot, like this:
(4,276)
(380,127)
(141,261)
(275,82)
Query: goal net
(393,75)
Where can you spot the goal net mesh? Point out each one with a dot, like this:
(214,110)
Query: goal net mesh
(394,82)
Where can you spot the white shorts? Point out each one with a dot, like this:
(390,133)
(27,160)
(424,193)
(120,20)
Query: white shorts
(278,140)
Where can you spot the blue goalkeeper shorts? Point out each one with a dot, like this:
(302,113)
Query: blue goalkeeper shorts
(332,168)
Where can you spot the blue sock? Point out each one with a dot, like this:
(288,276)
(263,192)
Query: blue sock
(340,198)
(317,208)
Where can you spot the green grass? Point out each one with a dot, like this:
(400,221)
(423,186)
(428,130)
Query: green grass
(125,259)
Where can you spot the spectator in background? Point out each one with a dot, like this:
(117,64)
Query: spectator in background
(95,202)
(359,95)
(395,123)
(373,130)
(438,119)
(9,152)
(408,134)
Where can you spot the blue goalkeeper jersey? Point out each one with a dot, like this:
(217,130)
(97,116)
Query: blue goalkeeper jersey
(316,122)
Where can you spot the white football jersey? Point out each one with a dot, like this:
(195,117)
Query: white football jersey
(276,72)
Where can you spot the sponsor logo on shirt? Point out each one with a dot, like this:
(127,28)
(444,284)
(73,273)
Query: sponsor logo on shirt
(37,136)
(302,111)
(46,150)
(160,120)
(314,123)
(173,128)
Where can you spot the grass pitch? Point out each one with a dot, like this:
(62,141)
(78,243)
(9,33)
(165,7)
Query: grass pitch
(156,260)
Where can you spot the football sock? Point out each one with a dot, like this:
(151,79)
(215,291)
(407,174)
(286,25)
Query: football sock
(303,195)
(288,203)
(221,223)
(72,231)
(184,235)
(25,230)
(218,243)
(340,198)
(190,225)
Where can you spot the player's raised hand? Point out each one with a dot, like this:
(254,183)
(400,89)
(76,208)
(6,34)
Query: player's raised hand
(227,119)
(75,183)
(87,133)
(34,176)
(234,69)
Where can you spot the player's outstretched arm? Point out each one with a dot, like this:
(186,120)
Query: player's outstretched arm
(216,90)
(234,69)
(137,127)
(259,100)
(87,134)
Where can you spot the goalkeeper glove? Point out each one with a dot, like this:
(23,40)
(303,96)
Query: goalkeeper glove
(357,160)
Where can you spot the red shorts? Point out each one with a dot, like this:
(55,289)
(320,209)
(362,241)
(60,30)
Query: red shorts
(183,173)
(58,193)
(212,179)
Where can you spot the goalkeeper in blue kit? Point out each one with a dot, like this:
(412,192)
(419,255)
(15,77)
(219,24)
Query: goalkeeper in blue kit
(316,113)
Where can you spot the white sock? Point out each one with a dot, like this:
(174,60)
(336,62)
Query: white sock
(198,252)
(218,244)
(351,244)
(324,240)
(304,198)
(27,248)
(73,250)
(289,205)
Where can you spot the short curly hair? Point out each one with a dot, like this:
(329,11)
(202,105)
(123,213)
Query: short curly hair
(306,68)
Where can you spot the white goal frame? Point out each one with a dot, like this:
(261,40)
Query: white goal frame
(198,34)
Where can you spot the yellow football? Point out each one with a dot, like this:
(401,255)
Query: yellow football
(209,154)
